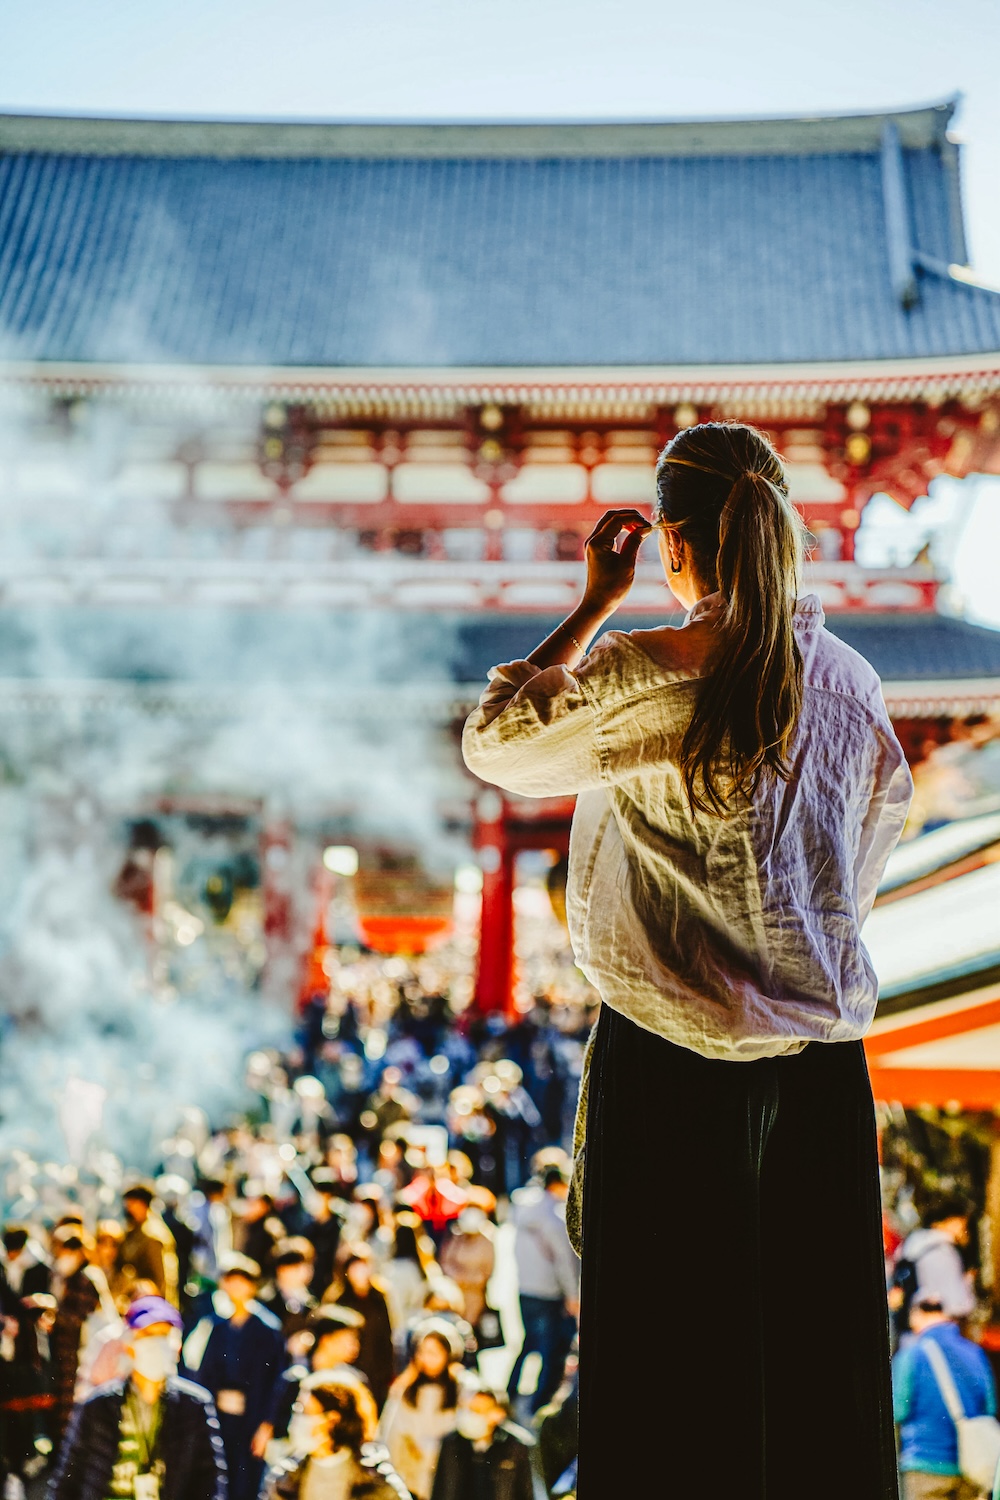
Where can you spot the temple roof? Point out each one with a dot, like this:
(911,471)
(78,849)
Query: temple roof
(811,240)
(909,648)
(205,646)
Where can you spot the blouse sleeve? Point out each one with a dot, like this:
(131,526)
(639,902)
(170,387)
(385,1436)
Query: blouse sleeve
(885,817)
(533,733)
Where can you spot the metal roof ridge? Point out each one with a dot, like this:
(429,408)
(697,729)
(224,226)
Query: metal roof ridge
(920,126)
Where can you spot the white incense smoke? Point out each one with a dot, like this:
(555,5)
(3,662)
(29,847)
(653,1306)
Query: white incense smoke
(105,712)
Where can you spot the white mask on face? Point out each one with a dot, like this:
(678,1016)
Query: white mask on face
(305,1433)
(155,1357)
(474,1425)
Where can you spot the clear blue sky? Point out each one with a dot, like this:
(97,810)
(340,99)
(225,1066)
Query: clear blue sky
(520,59)
(517,59)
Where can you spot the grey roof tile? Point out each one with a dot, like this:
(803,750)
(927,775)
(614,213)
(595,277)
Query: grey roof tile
(901,647)
(657,260)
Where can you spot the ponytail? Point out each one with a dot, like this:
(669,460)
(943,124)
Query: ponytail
(746,712)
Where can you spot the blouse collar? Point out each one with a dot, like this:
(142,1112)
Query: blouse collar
(809,613)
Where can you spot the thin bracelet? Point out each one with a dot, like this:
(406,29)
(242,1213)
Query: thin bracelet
(576,643)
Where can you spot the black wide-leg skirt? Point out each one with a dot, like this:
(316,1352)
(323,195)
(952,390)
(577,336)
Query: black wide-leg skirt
(734,1336)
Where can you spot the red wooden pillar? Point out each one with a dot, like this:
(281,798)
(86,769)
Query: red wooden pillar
(276,859)
(315,980)
(495,972)
(850,520)
(276,856)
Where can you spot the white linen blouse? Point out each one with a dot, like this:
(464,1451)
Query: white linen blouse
(738,936)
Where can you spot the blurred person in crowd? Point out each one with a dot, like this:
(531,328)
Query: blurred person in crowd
(558,1430)
(391,1169)
(330,1459)
(288,1297)
(474,1130)
(26,1397)
(152,1436)
(175,1195)
(517,1123)
(390,1104)
(342,1160)
(27,1266)
(354,1286)
(435,1199)
(309,1033)
(405,1273)
(106,1355)
(929,1439)
(461,1172)
(935,1256)
(336,1338)
(443,1299)
(147,1252)
(487,1456)
(741,788)
(83,1301)
(468,1257)
(330,1341)
(532,1042)
(259,1230)
(108,1239)
(237,1353)
(369,1221)
(213,1227)
(322,1230)
(422,1405)
(548,1275)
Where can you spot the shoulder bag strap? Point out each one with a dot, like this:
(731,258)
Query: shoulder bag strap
(945,1381)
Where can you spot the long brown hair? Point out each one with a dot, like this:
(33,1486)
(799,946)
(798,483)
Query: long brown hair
(721,484)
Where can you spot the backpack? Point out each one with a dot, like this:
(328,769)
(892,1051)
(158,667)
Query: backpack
(905,1279)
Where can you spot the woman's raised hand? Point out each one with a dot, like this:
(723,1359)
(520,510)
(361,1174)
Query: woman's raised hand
(609,570)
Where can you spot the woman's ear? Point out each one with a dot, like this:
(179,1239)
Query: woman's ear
(674,545)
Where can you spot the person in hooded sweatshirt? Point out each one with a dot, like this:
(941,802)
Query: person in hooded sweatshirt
(934,1251)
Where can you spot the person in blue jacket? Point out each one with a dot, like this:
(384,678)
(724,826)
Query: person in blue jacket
(237,1353)
(929,1441)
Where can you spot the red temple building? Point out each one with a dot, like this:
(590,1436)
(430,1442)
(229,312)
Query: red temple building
(404,368)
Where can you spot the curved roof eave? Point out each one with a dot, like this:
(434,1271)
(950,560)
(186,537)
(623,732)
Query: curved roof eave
(919,128)
(940,378)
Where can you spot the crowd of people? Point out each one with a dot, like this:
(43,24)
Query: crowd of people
(298,1304)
